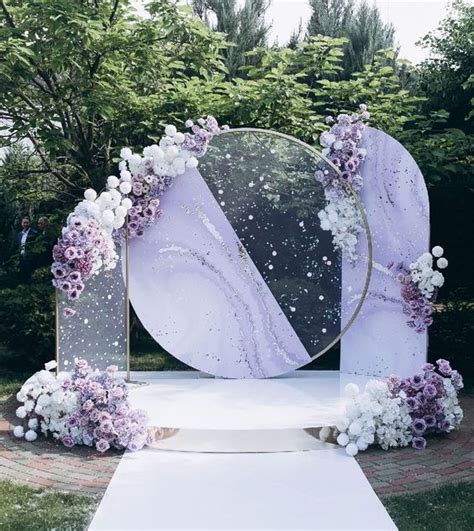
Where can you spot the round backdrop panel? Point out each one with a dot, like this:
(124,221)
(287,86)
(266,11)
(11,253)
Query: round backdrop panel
(237,278)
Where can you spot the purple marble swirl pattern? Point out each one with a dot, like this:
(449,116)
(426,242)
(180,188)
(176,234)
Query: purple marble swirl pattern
(198,293)
(394,194)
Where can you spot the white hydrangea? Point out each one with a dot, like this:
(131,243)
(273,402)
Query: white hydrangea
(424,276)
(373,416)
(45,405)
(342,218)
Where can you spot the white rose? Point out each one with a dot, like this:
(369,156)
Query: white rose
(437,251)
(355,428)
(188,123)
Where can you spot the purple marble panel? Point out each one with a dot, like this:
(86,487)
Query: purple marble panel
(198,293)
(379,342)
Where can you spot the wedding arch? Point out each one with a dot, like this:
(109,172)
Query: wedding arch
(257,262)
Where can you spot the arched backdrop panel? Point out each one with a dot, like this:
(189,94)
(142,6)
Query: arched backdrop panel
(97,331)
(395,198)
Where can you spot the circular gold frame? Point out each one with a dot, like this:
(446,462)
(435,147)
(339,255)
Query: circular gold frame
(313,151)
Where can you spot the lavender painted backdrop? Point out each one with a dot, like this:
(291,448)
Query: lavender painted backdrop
(198,293)
(396,201)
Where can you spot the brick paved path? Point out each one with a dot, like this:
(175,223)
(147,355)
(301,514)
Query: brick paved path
(46,464)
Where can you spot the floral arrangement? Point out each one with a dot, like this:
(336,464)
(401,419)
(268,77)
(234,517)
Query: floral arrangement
(87,243)
(397,412)
(152,174)
(419,288)
(84,407)
(341,146)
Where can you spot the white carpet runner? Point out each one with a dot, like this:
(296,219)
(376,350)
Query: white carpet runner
(169,490)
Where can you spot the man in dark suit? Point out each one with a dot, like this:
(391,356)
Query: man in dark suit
(26,238)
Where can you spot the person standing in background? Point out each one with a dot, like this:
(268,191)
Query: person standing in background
(26,238)
(44,242)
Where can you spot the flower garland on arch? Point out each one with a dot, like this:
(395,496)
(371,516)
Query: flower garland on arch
(87,244)
(341,146)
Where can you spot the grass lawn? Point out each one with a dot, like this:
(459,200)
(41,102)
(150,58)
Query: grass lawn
(448,508)
(10,385)
(27,509)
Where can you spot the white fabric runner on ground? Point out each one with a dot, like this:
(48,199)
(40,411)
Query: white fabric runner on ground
(166,490)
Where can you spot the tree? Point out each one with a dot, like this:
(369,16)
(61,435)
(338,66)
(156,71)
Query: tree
(244,27)
(81,79)
(360,23)
(447,76)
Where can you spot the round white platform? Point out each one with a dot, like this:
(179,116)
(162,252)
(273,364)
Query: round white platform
(193,401)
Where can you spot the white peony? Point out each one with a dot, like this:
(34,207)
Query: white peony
(437,251)
(45,377)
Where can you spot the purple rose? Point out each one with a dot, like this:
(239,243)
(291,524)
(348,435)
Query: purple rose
(73,421)
(430,391)
(444,367)
(427,367)
(419,443)
(412,403)
(417,381)
(430,421)
(68,441)
(419,426)
(102,445)
(445,425)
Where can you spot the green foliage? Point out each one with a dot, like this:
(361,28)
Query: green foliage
(244,27)
(27,324)
(80,79)
(447,75)
(360,24)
